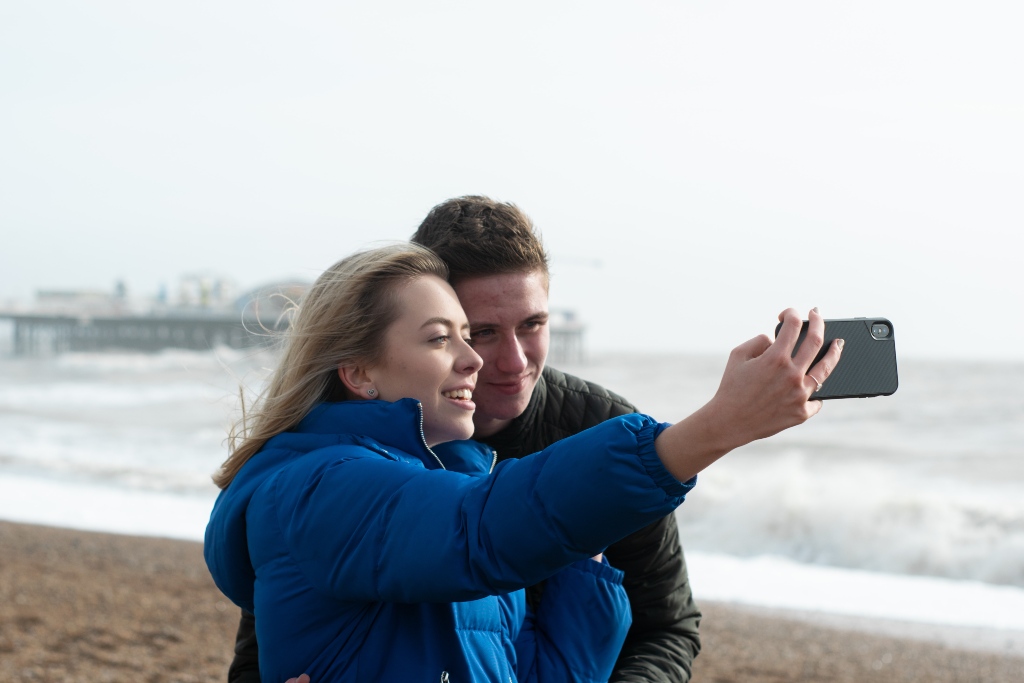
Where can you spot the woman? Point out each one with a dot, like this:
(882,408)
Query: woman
(373,542)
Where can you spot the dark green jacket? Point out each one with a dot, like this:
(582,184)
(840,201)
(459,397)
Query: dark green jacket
(663,639)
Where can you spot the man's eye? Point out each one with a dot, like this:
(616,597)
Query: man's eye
(481,333)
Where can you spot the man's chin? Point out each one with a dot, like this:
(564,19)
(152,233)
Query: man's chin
(500,409)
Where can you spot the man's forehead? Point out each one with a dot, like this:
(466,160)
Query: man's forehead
(532,283)
(505,297)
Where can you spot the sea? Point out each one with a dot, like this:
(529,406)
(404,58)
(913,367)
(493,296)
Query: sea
(903,513)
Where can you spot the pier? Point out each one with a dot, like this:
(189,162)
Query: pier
(566,337)
(43,334)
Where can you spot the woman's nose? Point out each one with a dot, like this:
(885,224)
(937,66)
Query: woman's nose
(470,360)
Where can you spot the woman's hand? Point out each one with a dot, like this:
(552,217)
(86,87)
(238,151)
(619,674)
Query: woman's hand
(764,390)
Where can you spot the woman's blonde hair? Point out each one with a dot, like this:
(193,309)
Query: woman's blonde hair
(341,320)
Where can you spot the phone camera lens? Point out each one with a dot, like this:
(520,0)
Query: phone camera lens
(879,331)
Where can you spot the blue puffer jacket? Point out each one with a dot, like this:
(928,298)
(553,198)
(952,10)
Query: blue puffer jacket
(365,557)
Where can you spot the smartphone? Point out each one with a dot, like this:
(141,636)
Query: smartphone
(867,366)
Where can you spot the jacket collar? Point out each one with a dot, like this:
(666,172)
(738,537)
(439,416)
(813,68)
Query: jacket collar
(397,425)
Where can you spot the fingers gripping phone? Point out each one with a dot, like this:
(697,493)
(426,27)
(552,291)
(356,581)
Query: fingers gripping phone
(867,366)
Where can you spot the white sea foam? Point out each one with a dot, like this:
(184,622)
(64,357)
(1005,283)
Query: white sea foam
(96,507)
(960,613)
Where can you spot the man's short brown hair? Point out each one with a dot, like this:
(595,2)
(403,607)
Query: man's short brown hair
(477,236)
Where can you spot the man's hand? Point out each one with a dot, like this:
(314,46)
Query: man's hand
(764,390)
(301,679)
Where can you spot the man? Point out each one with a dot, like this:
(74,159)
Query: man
(499,270)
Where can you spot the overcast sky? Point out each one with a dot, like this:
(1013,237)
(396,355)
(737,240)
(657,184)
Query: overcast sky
(694,167)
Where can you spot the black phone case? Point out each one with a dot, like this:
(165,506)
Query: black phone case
(867,366)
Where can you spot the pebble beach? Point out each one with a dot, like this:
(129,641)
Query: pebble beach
(79,606)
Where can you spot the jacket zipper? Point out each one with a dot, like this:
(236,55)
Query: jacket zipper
(423,438)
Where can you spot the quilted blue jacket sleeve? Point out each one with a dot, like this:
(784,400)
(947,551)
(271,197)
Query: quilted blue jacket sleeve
(361,527)
(579,628)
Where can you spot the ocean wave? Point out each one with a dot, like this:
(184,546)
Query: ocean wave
(216,359)
(69,395)
(858,515)
(923,483)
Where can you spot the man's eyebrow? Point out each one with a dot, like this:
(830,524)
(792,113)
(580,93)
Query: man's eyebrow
(542,316)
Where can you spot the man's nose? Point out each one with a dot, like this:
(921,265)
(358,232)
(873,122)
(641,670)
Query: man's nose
(511,359)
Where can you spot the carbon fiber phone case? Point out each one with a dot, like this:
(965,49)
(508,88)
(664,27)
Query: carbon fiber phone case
(868,364)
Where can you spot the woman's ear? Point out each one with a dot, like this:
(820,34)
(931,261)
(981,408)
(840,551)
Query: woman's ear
(357,381)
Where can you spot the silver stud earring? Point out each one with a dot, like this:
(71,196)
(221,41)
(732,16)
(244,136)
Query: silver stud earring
(371,392)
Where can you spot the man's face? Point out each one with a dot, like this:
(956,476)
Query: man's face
(508,319)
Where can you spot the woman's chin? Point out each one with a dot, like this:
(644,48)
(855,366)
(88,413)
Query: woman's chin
(465,432)
(456,432)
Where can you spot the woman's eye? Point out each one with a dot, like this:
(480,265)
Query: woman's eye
(443,339)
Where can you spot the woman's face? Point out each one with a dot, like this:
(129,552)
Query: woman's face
(427,357)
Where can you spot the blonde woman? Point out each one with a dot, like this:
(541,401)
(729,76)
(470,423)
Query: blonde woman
(373,542)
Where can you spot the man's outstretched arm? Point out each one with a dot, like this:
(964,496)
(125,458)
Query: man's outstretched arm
(245,667)
(663,640)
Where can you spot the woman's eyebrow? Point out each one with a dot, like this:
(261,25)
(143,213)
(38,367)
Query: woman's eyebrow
(438,321)
(444,321)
